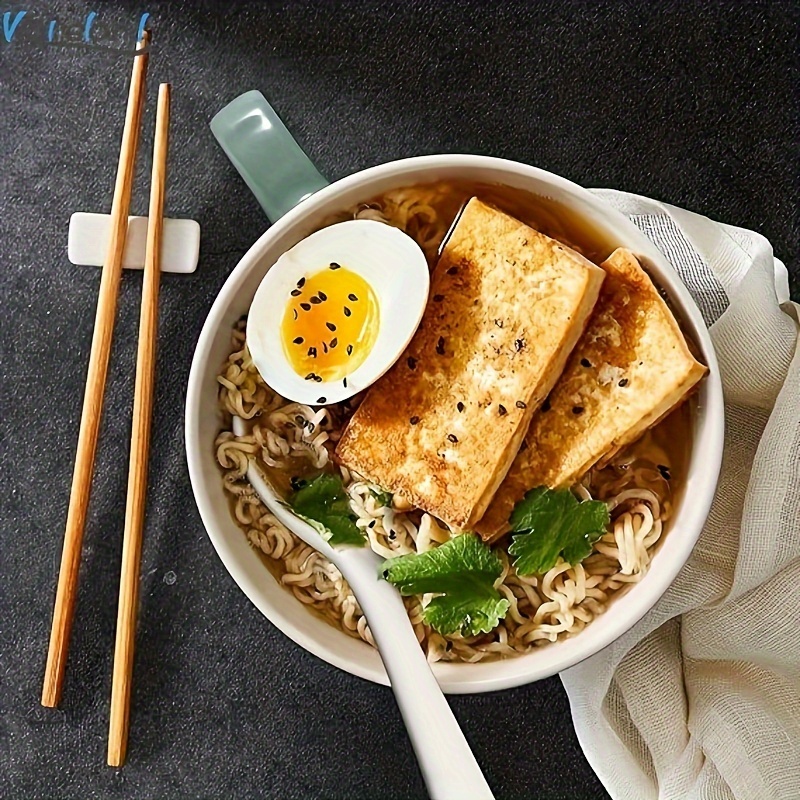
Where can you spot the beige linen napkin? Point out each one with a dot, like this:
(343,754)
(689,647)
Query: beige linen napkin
(701,699)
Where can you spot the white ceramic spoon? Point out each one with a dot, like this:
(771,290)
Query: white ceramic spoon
(446,761)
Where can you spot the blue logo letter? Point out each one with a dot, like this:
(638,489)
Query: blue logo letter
(142,22)
(8,26)
(87,30)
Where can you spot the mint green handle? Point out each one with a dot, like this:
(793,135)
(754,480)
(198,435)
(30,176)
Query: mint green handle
(265,154)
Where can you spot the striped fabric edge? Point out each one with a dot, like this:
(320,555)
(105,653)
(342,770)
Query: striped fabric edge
(707,291)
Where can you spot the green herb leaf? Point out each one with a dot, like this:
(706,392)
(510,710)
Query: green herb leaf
(383,499)
(324,504)
(462,571)
(551,523)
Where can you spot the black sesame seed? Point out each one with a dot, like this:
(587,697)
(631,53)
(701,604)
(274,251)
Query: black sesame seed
(334,342)
(352,297)
(519,344)
(452,270)
(334,265)
(440,346)
(347,311)
(437,298)
(414,420)
(577,409)
(324,347)
(315,300)
(392,535)
(294,311)
(521,404)
(344,382)
(317,379)
(623,382)
(320,399)
(310,426)
(349,349)
(546,404)
(312,351)
(412,362)
(330,326)
(372,523)
(296,293)
(585,362)
(452,438)
(501,410)
(301,283)
(322,296)
(298,340)
(305,306)
(310,376)
(460,406)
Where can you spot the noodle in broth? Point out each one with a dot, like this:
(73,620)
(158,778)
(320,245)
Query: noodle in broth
(291,439)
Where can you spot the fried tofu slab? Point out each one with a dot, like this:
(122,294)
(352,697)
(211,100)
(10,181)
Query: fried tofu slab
(631,367)
(441,428)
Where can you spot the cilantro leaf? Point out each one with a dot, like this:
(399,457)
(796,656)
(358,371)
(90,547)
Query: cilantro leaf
(550,523)
(383,499)
(323,503)
(462,572)
(468,615)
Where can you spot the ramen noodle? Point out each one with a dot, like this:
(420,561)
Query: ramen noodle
(291,439)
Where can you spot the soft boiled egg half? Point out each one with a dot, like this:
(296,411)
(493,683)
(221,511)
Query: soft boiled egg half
(337,310)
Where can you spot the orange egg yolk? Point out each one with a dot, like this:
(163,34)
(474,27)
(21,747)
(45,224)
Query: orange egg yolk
(330,324)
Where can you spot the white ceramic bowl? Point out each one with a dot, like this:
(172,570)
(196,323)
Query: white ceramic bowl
(203,423)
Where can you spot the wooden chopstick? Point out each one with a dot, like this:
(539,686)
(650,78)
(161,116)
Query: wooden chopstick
(140,445)
(66,591)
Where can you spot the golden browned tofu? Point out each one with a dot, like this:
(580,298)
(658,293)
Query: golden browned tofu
(631,367)
(441,428)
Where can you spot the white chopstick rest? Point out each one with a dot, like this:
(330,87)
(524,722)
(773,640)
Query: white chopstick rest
(88,241)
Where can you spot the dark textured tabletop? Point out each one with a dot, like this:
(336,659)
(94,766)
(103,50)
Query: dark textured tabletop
(694,103)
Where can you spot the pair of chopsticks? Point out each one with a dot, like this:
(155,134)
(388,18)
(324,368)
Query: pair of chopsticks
(66,591)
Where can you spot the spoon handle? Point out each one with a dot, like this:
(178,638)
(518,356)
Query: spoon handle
(447,763)
(448,766)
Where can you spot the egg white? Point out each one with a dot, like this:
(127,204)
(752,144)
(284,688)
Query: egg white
(390,261)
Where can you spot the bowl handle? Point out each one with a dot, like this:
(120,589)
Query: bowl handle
(265,154)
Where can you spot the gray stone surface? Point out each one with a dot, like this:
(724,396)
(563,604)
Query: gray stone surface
(690,102)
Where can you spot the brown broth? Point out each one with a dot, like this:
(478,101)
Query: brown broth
(672,436)
(667,443)
(544,215)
